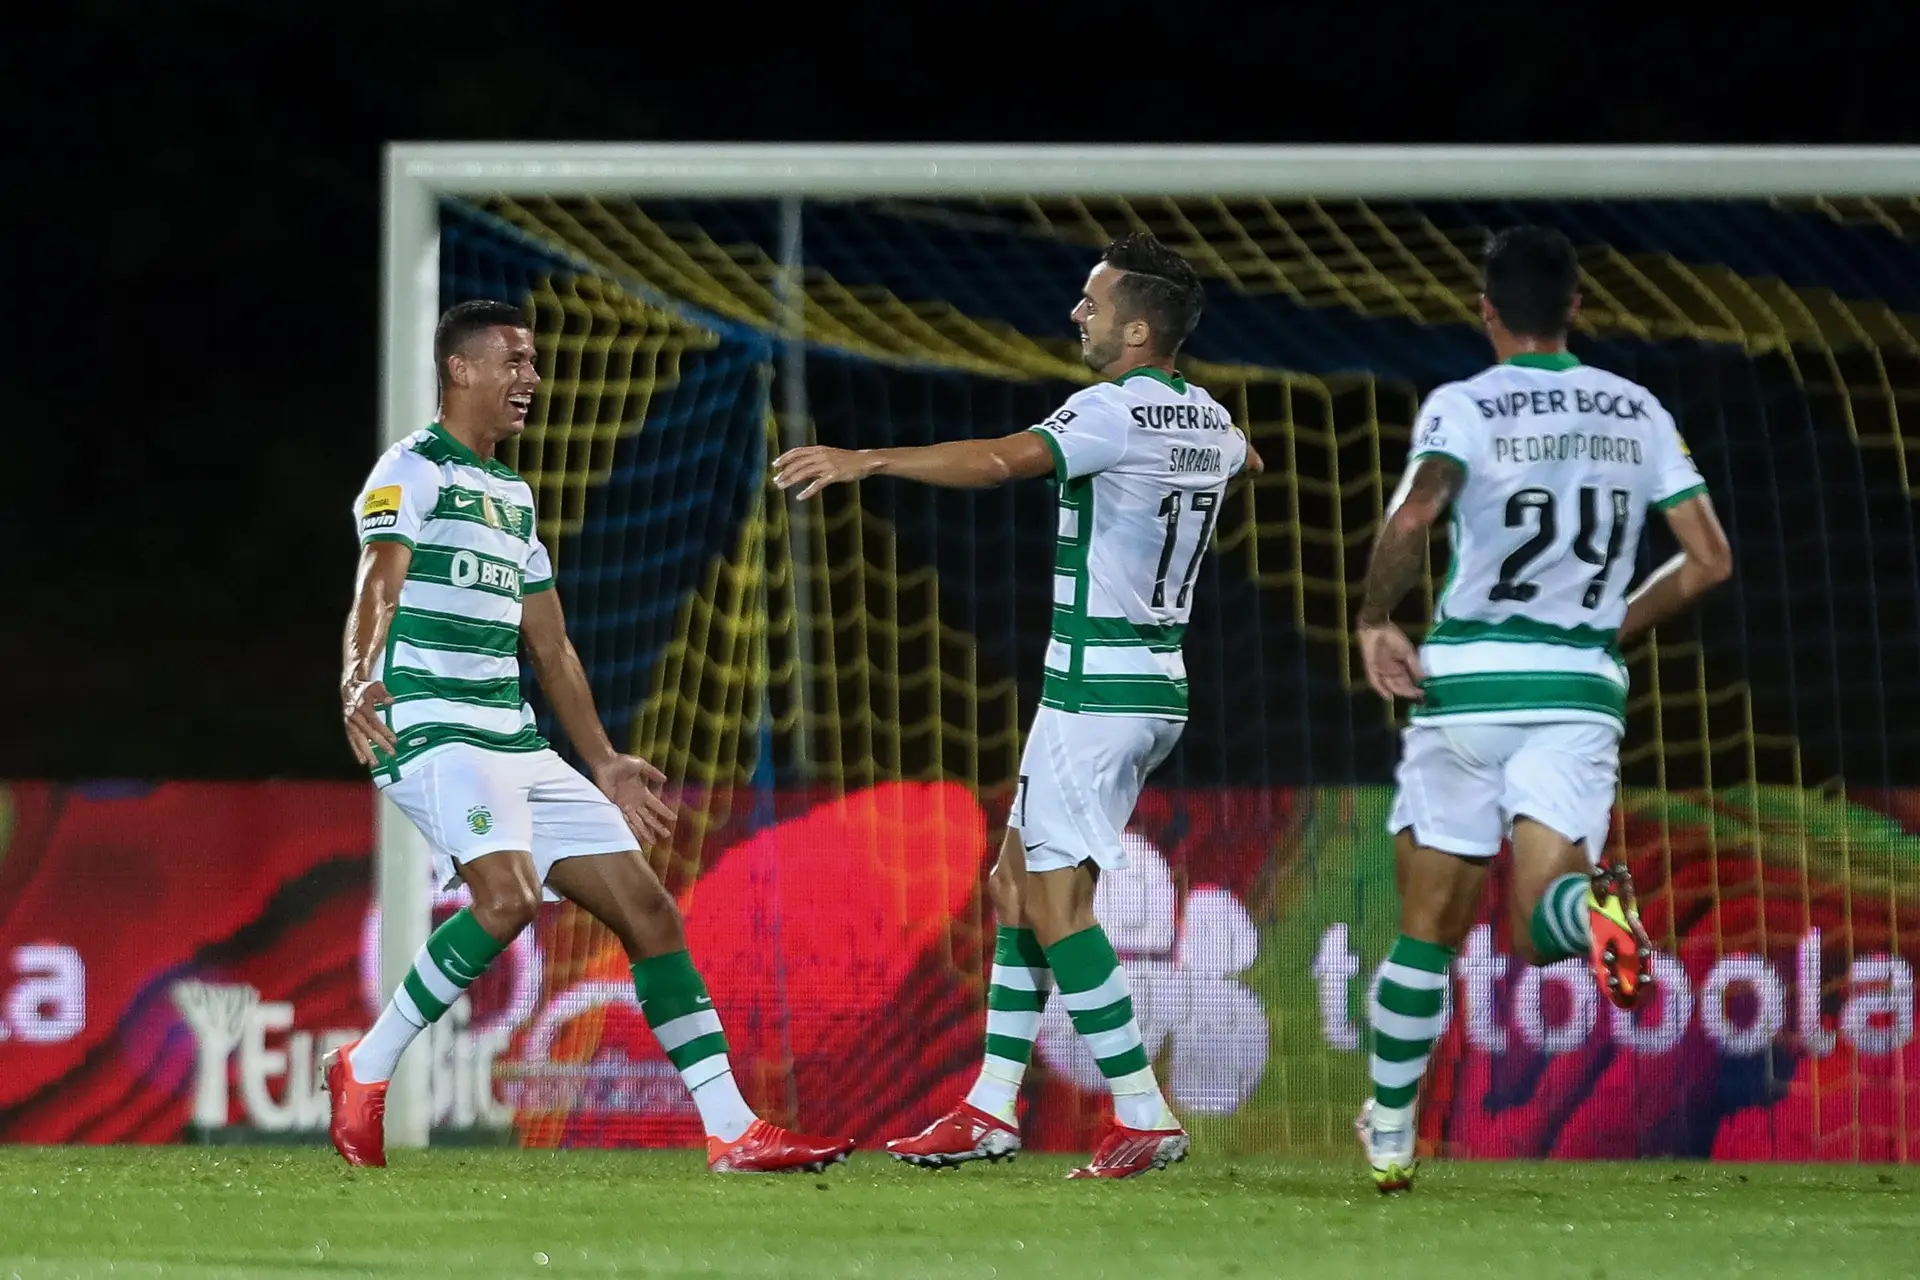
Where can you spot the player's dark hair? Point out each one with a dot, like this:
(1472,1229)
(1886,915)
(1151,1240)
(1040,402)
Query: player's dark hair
(1159,286)
(463,320)
(1530,277)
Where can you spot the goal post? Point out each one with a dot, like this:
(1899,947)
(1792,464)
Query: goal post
(420,176)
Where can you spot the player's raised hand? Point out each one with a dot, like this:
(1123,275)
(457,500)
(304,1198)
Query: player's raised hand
(360,703)
(1393,667)
(817,465)
(628,781)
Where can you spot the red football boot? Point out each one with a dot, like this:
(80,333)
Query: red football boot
(359,1124)
(1621,952)
(767,1148)
(964,1133)
(1127,1153)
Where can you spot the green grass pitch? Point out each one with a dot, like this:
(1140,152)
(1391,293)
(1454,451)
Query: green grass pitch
(265,1211)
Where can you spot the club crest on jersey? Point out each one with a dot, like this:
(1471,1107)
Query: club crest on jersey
(479,820)
(381,510)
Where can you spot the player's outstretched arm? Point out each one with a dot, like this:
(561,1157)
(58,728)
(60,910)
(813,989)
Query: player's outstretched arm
(1399,554)
(376,594)
(624,779)
(952,464)
(1705,561)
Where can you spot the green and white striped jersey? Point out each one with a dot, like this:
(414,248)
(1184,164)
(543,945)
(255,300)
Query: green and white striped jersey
(452,661)
(1142,463)
(1562,463)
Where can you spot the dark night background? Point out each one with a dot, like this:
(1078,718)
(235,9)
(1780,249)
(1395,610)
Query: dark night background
(193,219)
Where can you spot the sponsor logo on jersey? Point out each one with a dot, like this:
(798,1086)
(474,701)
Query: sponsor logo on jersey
(381,510)
(1179,417)
(469,570)
(479,820)
(1604,404)
(1432,435)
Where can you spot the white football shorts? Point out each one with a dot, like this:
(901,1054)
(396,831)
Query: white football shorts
(468,802)
(1080,777)
(1462,786)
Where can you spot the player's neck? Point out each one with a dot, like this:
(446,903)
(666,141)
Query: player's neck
(480,442)
(1508,345)
(1120,370)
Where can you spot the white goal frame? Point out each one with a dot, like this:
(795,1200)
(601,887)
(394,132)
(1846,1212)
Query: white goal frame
(417,174)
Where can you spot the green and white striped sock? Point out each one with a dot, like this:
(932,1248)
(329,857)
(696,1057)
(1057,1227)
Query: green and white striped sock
(1094,989)
(1561,929)
(457,952)
(675,1003)
(1408,1014)
(1022,981)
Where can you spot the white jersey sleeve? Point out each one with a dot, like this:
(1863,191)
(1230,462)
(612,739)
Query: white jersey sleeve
(1676,478)
(1448,426)
(397,498)
(1087,434)
(538,575)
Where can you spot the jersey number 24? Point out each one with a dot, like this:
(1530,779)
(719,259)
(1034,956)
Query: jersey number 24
(1536,507)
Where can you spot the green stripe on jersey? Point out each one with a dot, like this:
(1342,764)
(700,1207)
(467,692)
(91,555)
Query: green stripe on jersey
(473,506)
(405,683)
(459,567)
(1115,695)
(1520,631)
(439,446)
(1161,637)
(1520,691)
(427,629)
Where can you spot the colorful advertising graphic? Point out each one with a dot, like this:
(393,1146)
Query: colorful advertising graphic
(175,959)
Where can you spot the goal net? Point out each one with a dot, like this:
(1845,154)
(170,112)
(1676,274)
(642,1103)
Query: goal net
(840,687)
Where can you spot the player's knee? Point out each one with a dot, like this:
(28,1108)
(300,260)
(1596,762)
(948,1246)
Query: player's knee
(503,910)
(650,925)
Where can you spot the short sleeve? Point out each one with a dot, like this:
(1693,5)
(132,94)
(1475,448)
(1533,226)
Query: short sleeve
(538,575)
(1086,434)
(1678,479)
(394,502)
(1445,427)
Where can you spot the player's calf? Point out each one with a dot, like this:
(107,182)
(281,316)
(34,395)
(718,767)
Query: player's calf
(1578,912)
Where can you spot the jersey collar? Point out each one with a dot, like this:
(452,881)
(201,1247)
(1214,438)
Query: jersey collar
(1555,361)
(1173,380)
(492,466)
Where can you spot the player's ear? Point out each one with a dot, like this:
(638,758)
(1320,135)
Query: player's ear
(1139,333)
(456,371)
(1573,310)
(1486,312)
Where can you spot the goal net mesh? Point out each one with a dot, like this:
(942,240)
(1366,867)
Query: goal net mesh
(841,686)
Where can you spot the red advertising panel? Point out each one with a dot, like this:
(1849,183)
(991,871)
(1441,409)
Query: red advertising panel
(175,958)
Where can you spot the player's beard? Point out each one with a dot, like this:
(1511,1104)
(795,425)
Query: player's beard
(1099,355)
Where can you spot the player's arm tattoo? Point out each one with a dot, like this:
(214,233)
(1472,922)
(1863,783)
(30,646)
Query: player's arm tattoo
(1400,552)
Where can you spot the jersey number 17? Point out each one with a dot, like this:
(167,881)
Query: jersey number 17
(1208,503)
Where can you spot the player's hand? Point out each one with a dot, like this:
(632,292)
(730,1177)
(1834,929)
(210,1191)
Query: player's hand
(360,703)
(1393,667)
(817,466)
(629,782)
